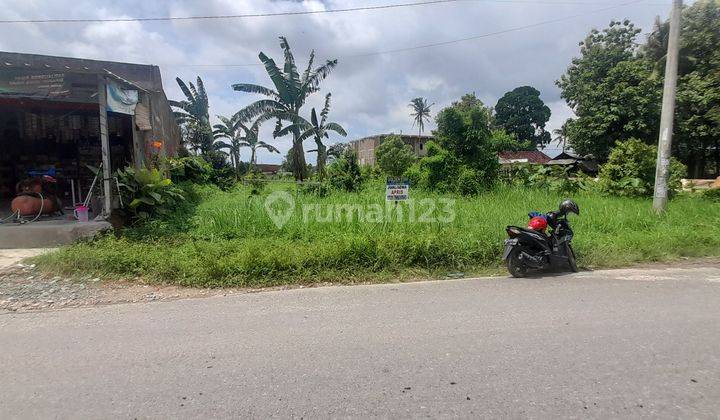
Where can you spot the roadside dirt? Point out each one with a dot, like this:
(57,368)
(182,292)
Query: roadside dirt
(23,288)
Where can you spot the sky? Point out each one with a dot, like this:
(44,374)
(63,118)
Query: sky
(371,86)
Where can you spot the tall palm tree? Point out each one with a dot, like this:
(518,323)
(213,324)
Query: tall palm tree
(318,129)
(252,140)
(285,101)
(420,113)
(561,135)
(229,129)
(194,112)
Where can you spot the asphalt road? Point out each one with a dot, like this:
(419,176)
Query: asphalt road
(625,343)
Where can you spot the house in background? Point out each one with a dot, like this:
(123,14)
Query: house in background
(365,147)
(268,168)
(576,163)
(533,157)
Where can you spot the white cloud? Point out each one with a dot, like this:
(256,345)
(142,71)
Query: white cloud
(370,93)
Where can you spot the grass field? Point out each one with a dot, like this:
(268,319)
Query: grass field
(228,239)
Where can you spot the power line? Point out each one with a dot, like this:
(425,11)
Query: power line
(298,13)
(441,43)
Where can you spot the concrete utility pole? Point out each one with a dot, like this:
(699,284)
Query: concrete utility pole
(662,169)
(105,145)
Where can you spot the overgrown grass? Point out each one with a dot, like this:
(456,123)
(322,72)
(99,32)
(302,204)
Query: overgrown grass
(229,240)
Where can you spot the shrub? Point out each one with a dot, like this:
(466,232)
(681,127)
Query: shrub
(318,189)
(439,169)
(189,169)
(630,170)
(414,175)
(469,182)
(344,173)
(146,193)
(394,157)
(257,182)
(713,194)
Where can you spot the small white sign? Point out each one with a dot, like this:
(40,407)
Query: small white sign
(397,191)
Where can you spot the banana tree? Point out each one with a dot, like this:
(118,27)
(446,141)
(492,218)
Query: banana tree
(291,90)
(252,140)
(318,129)
(229,130)
(194,112)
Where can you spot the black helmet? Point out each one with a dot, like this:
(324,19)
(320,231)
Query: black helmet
(569,206)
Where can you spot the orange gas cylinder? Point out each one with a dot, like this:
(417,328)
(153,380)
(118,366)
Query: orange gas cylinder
(27,205)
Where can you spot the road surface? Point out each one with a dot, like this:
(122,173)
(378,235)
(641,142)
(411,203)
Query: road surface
(623,343)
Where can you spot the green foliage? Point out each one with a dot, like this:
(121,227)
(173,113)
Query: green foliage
(523,114)
(548,178)
(394,157)
(231,241)
(193,115)
(697,127)
(146,193)
(615,89)
(501,141)
(464,147)
(420,113)
(318,129)
(713,195)
(630,170)
(189,169)
(344,173)
(284,102)
(256,181)
(612,92)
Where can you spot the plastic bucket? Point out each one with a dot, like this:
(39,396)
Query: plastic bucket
(82,213)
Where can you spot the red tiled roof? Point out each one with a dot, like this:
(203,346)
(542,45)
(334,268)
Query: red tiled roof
(532,156)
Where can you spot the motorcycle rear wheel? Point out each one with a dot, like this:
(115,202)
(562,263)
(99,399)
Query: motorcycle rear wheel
(516,267)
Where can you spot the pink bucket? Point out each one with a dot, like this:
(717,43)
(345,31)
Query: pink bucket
(82,213)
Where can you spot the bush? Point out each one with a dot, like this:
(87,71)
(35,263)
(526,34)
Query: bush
(394,157)
(713,194)
(469,182)
(257,182)
(189,169)
(630,170)
(318,189)
(146,193)
(344,173)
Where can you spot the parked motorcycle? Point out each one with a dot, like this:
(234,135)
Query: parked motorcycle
(532,248)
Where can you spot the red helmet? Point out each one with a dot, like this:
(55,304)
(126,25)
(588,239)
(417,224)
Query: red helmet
(538,223)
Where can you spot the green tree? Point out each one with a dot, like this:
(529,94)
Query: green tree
(697,128)
(464,159)
(420,113)
(345,172)
(501,141)
(630,170)
(252,140)
(194,114)
(284,102)
(523,114)
(612,92)
(464,129)
(229,130)
(318,129)
(394,157)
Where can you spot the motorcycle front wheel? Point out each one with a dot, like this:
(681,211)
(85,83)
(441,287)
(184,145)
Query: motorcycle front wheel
(572,263)
(516,267)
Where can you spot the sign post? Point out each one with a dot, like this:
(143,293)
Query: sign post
(397,191)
